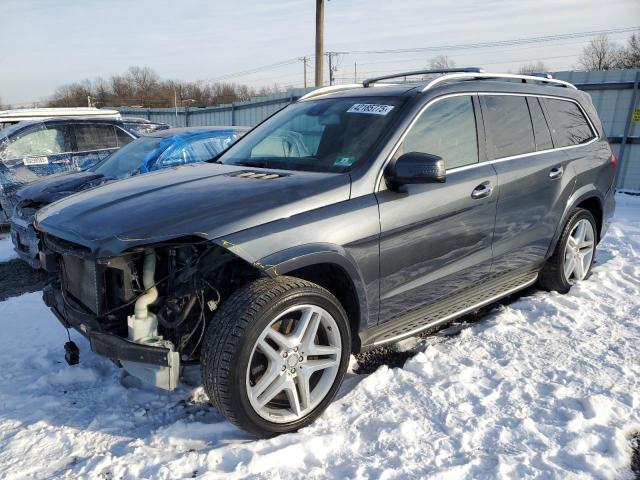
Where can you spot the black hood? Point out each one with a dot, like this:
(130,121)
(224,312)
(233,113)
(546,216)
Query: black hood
(55,187)
(207,200)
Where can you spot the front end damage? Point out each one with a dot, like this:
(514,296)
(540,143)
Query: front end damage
(146,309)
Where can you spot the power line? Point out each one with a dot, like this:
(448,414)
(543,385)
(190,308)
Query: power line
(499,43)
(477,45)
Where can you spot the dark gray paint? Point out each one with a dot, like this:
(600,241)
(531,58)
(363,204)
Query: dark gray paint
(401,250)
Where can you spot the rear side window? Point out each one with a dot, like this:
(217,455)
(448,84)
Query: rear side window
(95,137)
(508,125)
(568,124)
(540,128)
(447,128)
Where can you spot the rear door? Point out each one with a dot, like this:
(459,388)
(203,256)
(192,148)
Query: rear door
(96,141)
(436,238)
(534,184)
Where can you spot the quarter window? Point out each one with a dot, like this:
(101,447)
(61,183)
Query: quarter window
(95,137)
(447,128)
(568,124)
(540,127)
(508,125)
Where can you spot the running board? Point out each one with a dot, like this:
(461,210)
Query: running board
(447,309)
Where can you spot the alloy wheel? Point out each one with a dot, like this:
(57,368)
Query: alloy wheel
(579,250)
(294,363)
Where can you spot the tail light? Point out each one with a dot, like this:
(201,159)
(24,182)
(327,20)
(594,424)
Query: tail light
(614,161)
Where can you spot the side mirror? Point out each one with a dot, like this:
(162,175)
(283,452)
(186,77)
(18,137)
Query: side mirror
(416,167)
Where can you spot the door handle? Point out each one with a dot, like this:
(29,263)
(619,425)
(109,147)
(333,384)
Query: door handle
(483,190)
(556,172)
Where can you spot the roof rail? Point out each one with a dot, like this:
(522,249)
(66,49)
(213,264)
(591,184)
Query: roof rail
(371,81)
(482,75)
(329,89)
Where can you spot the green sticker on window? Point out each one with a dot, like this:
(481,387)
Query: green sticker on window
(344,161)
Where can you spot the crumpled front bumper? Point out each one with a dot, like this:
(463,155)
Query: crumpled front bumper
(103,343)
(25,240)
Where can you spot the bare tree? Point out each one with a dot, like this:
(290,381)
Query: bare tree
(441,62)
(600,54)
(630,56)
(142,87)
(534,67)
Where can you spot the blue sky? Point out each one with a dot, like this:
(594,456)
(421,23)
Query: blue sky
(45,43)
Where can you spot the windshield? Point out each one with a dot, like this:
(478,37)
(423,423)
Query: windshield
(127,160)
(330,135)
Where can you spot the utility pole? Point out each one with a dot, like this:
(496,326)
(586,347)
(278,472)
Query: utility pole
(175,103)
(319,41)
(304,61)
(355,72)
(332,69)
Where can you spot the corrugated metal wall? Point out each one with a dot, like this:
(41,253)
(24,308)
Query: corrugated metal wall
(615,95)
(247,113)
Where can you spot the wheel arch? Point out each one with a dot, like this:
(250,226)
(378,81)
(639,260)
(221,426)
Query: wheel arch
(331,267)
(587,197)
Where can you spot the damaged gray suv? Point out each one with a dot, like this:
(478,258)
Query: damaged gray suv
(355,217)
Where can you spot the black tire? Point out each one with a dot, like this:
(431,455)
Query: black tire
(552,275)
(230,338)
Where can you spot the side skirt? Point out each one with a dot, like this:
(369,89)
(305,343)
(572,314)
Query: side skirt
(447,309)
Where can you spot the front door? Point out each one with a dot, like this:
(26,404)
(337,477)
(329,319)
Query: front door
(436,238)
(94,142)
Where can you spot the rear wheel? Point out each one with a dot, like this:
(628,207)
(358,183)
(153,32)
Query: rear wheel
(573,257)
(275,355)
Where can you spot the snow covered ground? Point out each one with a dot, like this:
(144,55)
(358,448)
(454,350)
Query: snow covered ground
(546,386)
(6,248)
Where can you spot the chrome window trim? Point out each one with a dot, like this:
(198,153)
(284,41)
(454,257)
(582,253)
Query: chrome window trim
(594,131)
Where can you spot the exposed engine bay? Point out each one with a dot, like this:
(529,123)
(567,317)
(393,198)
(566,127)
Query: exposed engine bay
(162,296)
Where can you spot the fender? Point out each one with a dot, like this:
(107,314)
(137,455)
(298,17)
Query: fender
(578,196)
(294,258)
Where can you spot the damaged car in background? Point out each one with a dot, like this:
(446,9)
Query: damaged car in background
(166,148)
(31,150)
(354,218)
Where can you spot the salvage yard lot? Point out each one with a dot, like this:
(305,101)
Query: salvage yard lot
(543,385)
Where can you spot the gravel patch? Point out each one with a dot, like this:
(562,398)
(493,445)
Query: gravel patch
(635,455)
(16,278)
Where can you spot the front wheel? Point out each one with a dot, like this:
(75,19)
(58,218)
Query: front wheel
(573,257)
(275,355)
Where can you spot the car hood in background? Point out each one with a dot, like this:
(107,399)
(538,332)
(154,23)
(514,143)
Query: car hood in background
(206,200)
(59,186)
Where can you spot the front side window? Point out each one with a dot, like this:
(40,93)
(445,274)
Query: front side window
(123,137)
(447,128)
(95,137)
(568,124)
(326,135)
(508,125)
(40,141)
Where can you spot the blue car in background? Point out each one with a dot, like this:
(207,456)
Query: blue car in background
(34,149)
(158,150)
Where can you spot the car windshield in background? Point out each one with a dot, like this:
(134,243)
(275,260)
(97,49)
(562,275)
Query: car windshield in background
(130,158)
(330,135)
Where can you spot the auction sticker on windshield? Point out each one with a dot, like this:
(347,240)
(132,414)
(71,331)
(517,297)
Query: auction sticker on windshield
(35,161)
(370,108)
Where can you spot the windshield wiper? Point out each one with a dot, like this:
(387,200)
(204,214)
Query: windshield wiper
(249,163)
